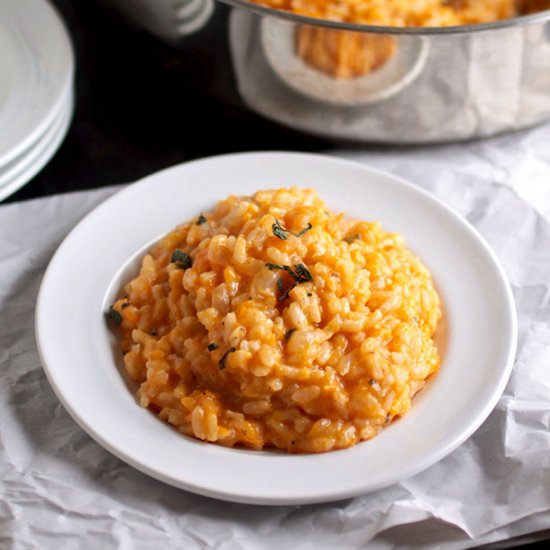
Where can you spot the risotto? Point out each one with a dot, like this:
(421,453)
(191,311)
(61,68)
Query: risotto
(343,54)
(346,54)
(274,322)
(409,13)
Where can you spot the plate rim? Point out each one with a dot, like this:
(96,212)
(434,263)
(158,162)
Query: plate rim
(47,147)
(16,165)
(248,496)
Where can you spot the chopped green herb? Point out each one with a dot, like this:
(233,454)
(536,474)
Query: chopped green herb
(303,231)
(300,274)
(279,231)
(352,238)
(289,332)
(201,219)
(181,259)
(212,346)
(286,268)
(221,362)
(295,276)
(303,273)
(276,266)
(115,315)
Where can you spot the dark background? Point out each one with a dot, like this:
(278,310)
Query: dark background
(142,105)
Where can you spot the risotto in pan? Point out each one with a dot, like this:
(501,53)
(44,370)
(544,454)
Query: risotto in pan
(273,322)
(346,54)
(409,13)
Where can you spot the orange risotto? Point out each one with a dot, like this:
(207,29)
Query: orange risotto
(409,13)
(274,322)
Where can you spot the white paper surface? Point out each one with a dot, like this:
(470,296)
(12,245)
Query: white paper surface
(60,489)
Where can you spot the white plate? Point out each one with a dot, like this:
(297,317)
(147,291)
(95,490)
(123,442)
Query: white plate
(11,169)
(36,73)
(26,167)
(78,351)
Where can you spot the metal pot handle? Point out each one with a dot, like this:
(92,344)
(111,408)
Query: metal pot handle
(168,20)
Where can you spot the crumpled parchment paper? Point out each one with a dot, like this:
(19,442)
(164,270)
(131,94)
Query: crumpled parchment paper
(60,489)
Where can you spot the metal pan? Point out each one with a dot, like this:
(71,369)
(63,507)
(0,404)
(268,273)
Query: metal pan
(438,85)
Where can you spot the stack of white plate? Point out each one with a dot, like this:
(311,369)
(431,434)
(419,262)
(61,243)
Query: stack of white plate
(36,89)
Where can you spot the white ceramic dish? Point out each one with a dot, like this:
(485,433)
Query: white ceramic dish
(80,358)
(26,158)
(36,73)
(20,171)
